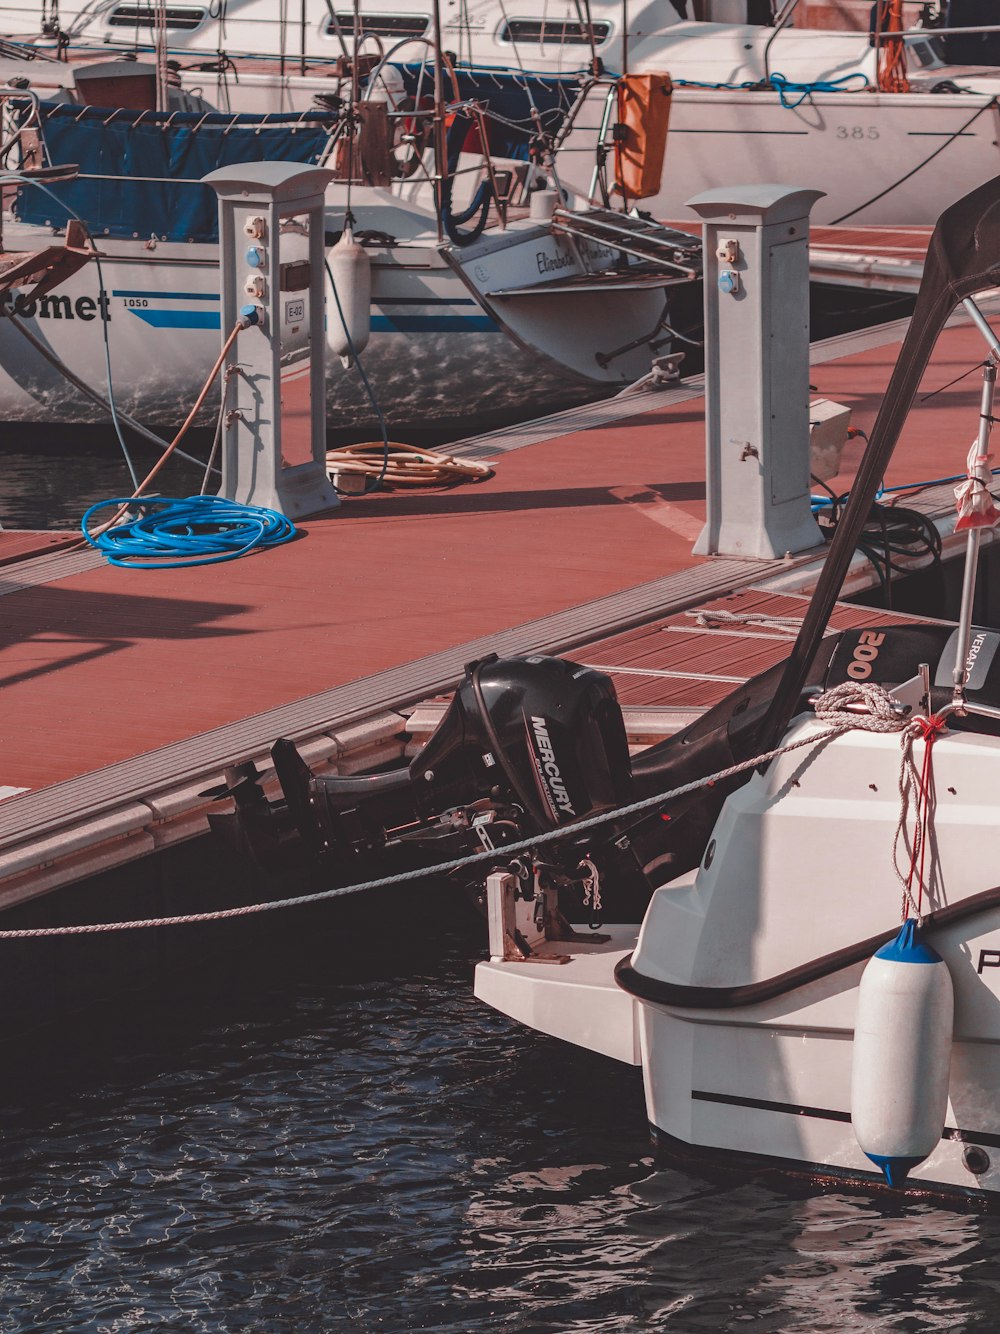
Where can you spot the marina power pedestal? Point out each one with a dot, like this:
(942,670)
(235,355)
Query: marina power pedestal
(271,252)
(757,371)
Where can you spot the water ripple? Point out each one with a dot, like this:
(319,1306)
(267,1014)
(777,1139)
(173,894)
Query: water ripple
(382,1153)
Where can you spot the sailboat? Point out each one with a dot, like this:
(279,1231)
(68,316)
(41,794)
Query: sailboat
(887,128)
(439,351)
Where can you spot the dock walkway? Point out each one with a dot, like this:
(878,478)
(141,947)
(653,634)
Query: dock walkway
(126,693)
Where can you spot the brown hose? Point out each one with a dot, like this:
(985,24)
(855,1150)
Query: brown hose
(406,465)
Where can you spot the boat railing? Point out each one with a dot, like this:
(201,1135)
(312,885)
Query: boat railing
(20,134)
(404,125)
(664,248)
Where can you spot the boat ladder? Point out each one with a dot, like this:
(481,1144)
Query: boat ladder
(665,247)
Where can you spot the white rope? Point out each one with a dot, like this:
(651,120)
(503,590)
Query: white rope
(787,624)
(835,706)
(883,718)
(591,886)
(839,722)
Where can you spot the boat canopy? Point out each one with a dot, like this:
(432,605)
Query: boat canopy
(132,162)
(511,100)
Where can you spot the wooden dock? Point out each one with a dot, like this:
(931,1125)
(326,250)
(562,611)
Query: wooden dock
(126,693)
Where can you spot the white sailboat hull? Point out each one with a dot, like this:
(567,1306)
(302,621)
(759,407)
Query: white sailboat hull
(879,158)
(892,159)
(434,356)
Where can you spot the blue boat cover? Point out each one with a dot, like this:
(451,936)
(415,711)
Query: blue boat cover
(133,165)
(510,97)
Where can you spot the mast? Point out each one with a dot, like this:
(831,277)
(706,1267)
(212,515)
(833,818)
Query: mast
(440,146)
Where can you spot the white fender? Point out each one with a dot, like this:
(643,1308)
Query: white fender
(349,305)
(902,1054)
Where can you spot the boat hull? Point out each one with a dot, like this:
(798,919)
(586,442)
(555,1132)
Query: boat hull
(773,1082)
(746,971)
(881,159)
(434,357)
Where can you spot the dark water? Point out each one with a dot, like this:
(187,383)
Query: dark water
(354,1143)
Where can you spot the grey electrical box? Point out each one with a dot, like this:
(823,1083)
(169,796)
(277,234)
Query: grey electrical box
(756,244)
(272,252)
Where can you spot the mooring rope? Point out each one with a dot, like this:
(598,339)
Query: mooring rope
(790,625)
(915,786)
(832,707)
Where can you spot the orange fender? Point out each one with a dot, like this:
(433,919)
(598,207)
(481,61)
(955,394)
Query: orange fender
(641,134)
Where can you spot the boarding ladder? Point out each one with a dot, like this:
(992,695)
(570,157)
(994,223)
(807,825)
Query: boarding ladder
(666,248)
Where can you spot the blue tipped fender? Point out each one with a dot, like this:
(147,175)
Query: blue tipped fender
(902,1054)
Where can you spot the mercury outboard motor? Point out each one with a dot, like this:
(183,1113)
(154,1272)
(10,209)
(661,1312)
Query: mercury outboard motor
(527,745)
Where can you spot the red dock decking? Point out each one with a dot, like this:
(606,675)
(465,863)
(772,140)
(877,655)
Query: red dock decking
(123,685)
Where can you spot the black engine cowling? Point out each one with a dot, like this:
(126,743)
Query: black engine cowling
(543,733)
(527,745)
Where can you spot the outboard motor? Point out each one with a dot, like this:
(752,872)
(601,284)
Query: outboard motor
(543,733)
(527,745)
(535,744)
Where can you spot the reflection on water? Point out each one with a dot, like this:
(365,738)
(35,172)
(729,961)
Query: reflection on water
(49,477)
(357,1144)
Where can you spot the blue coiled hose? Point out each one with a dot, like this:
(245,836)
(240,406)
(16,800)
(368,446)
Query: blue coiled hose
(200,530)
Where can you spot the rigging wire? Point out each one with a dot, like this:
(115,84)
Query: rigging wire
(14,176)
(169,534)
(117,416)
(994,101)
(92,394)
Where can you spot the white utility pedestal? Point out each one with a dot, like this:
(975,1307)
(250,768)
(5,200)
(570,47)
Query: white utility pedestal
(756,242)
(271,252)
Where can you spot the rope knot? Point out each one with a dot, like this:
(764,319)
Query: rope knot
(930,728)
(861,704)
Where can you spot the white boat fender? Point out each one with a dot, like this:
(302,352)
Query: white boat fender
(902,1053)
(349,303)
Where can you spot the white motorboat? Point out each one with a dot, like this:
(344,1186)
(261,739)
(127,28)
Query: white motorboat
(780,1014)
(751,102)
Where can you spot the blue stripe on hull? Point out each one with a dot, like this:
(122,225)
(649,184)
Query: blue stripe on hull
(160,295)
(178,319)
(410,324)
